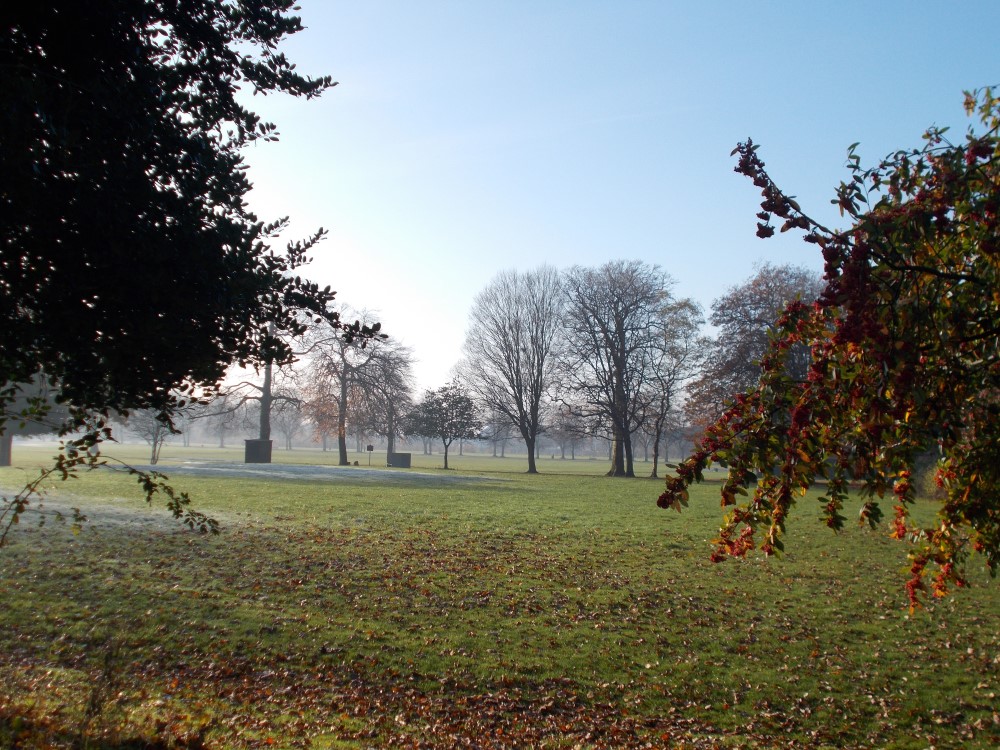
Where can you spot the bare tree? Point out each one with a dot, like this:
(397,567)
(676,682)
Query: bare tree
(567,429)
(255,401)
(675,359)
(319,405)
(289,417)
(186,418)
(613,325)
(746,316)
(497,431)
(509,348)
(338,374)
(147,425)
(221,416)
(274,389)
(388,394)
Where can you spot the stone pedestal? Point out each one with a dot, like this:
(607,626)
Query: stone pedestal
(6,441)
(257,452)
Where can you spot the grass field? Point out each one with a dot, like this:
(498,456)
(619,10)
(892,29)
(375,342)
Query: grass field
(477,607)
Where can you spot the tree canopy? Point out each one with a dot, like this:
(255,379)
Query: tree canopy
(905,357)
(342,371)
(448,414)
(131,270)
(614,324)
(745,317)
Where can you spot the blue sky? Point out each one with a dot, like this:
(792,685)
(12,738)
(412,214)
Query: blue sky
(470,137)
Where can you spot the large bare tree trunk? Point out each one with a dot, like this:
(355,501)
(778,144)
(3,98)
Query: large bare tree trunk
(342,421)
(530,441)
(617,458)
(390,431)
(266,400)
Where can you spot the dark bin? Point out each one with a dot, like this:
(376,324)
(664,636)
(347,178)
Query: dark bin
(6,441)
(399,460)
(257,452)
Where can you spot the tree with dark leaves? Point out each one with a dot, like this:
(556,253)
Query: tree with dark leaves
(132,274)
(447,414)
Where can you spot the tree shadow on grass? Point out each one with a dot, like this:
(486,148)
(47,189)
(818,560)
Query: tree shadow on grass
(18,730)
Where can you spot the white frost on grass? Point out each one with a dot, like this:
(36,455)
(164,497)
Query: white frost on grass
(309,472)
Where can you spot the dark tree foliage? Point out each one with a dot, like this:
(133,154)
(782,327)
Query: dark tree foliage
(131,271)
(905,356)
(446,414)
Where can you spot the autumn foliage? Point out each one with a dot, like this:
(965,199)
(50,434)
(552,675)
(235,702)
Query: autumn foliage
(905,358)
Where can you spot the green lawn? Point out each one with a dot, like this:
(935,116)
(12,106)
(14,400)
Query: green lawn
(476,607)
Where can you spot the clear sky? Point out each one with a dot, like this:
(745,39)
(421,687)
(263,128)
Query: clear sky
(469,137)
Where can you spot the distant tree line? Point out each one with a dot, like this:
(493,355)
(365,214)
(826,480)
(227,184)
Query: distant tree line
(606,355)
(610,352)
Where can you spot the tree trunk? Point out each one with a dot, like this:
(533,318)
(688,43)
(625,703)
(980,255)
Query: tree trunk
(530,444)
(266,399)
(342,422)
(656,454)
(390,431)
(657,435)
(617,457)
